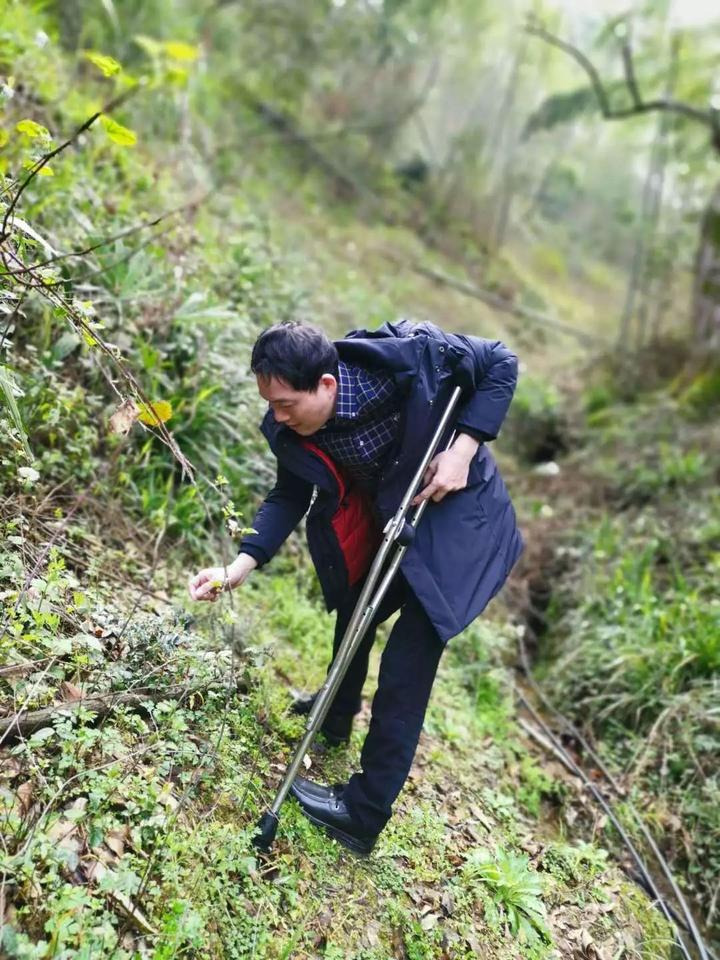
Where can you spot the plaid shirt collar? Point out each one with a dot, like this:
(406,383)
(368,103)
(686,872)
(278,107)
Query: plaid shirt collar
(347,401)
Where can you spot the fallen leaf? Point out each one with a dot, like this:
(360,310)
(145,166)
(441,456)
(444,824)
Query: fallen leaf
(69,692)
(398,943)
(95,871)
(116,839)
(448,904)
(132,912)
(24,796)
(429,921)
(10,768)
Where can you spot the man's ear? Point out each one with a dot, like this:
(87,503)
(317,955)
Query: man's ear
(328,380)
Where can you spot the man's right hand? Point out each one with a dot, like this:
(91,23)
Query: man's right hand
(209,583)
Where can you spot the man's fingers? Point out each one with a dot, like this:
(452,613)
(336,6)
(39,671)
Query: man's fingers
(430,472)
(203,590)
(427,492)
(206,590)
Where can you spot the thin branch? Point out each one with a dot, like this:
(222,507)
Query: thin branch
(630,78)
(129,231)
(496,302)
(81,325)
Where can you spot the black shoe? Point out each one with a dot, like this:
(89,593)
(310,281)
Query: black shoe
(336,728)
(325,807)
(303,705)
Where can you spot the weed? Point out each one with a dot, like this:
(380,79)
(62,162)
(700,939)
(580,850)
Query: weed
(516,891)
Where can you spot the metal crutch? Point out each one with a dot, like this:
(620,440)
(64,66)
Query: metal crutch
(397,530)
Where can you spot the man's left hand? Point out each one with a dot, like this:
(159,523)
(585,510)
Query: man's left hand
(448,471)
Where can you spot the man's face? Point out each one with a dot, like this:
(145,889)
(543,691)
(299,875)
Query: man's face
(304,411)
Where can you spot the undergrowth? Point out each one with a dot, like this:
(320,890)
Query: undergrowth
(635,658)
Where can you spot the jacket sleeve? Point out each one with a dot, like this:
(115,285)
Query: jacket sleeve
(279,513)
(490,370)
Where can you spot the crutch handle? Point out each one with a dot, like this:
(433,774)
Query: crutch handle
(406,534)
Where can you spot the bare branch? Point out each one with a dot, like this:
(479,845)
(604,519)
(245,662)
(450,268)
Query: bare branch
(708,118)
(630,78)
(577,55)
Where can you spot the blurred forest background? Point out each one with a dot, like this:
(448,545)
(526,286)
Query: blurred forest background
(176,175)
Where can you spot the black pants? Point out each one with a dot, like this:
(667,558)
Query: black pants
(407,671)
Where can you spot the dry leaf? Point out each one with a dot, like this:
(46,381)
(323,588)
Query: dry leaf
(24,796)
(124,417)
(116,840)
(95,871)
(398,943)
(307,762)
(429,921)
(132,912)
(448,904)
(10,768)
(61,831)
(69,692)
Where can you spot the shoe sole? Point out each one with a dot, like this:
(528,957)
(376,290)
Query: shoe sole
(347,840)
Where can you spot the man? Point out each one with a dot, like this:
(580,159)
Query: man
(349,422)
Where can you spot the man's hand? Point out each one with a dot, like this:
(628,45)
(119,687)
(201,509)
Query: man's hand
(209,583)
(448,471)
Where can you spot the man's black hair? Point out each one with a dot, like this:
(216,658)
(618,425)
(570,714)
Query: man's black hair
(298,353)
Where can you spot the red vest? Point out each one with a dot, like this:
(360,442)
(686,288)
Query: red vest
(353,522)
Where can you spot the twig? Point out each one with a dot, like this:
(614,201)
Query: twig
(129,231)
(630,78)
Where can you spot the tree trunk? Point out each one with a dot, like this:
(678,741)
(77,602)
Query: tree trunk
(503,156)
(706,284)
(658,163)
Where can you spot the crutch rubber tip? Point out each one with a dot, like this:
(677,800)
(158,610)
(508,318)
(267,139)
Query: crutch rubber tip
(266,830)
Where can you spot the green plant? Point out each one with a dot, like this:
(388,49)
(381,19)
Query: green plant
(515,889)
